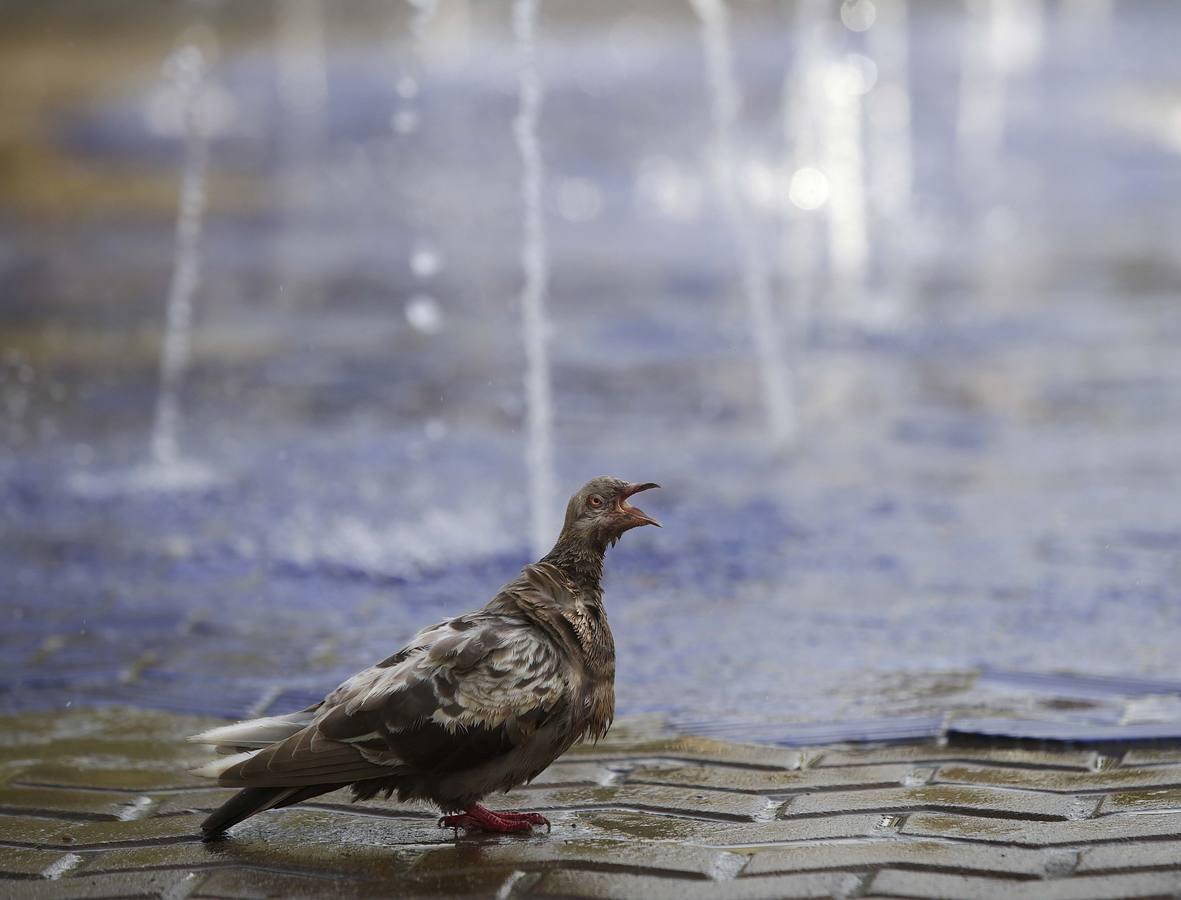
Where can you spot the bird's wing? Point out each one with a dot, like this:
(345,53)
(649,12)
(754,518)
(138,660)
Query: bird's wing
(461,693)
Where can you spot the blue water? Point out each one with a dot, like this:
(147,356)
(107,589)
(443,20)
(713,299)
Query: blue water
(987,486)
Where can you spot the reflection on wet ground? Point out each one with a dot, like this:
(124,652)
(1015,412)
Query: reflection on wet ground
(983,484)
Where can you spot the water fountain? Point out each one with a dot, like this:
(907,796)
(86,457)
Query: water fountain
(422,309)
(186,70)
(844,164)
(302,84)
(539,403)
(891,158)
(777,383)
(802,106)
(1001,39)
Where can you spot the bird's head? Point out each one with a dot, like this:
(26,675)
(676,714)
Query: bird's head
(599,512)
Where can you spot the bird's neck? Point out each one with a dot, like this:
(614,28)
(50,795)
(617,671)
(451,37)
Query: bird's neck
(581,563)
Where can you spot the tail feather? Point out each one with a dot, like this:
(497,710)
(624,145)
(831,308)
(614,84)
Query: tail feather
(249,801)
(255,733)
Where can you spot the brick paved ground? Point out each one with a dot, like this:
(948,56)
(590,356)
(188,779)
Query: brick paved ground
(98,804)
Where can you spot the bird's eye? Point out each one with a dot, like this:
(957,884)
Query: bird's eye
(595,501)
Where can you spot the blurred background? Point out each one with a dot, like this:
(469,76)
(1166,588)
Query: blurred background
(313,314)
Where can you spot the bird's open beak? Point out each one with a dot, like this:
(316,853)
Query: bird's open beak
(636,516)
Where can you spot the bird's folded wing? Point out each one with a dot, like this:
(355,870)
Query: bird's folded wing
(460,693)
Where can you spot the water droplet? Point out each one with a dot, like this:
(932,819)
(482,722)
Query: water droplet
(407,87)
(423,314)
(404,121)
(669,189)
(859,15)
(425,261)
(809,188)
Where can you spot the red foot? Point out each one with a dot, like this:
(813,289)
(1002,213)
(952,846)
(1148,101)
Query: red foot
(480,818)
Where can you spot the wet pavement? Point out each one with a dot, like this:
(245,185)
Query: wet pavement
(99,804)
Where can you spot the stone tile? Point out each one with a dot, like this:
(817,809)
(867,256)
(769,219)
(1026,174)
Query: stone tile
(693,748)
(891,851)
(1141,801)
(20,862)
(731,835)
(895,883)
(191,855)
(1038,834)
(72,803)
(1150,756)
(603,886)
(50,729)
(121,885)
(155,829)
(933,753)
(205,801)
(120,778)
(31,831)
(942,796)
(677,800)
(1145,855)
(573,773)
(1043,780)
(316,841)
(656,858)
(771,782)
(253,884)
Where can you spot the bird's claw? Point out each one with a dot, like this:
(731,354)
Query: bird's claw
(483,819)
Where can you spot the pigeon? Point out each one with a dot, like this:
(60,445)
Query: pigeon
(473,705)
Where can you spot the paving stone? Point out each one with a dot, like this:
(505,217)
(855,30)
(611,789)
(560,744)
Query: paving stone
(573,773)
(26,863)
(892,851)
(109,751)
(580,853)
(75,803)
(308,840)
(687,801)
(689,747)
(253,884)
(47,730)
(942,796)
(119,778)
(732,835)
(1043,780)
(930,752)
(642,816)
(33,831)
(155,829)
(1145,855)
(190,855)
(1141,801)
(204,801)
(603,886)
(175,882)
(1039,834)
(895,883)
(772,782)
(1153,756)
